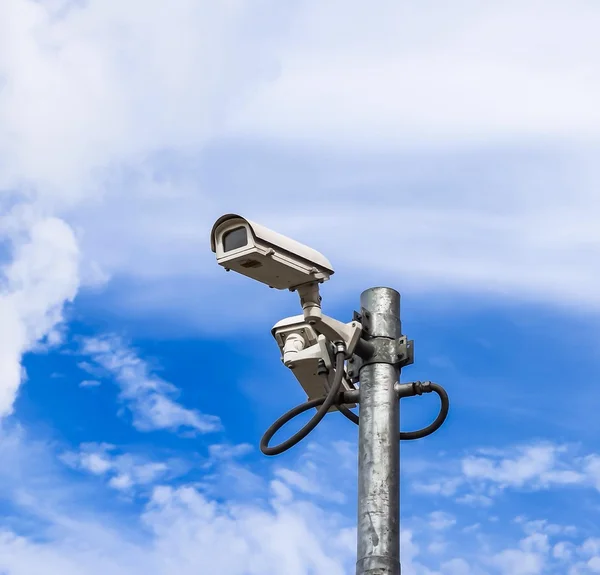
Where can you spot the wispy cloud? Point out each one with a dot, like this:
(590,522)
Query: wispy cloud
(187,530)
(481,477)
(305,475)
(124,471)
(90,383)
(150,399)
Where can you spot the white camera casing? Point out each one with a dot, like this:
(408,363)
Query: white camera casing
(301,350)
(266,256)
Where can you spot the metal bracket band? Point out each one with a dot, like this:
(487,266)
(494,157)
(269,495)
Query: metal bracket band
(399,352)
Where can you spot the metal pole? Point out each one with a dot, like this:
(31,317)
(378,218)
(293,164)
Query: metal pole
(378,448)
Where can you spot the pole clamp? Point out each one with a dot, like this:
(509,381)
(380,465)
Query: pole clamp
(397,352)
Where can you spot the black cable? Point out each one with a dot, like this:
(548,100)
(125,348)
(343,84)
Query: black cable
(325,404)
(439,420)
(335,397)
(348,414)
(341,408)
(411,435)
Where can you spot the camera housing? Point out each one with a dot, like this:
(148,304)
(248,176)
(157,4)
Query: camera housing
(259,253)
(301,351)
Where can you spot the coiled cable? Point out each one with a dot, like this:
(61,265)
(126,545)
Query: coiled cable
(419,388)
(325,404)
(333,382)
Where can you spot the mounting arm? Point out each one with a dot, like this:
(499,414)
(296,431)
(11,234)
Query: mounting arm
(335,331)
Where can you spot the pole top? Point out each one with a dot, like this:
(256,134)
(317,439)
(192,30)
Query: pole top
(380,311)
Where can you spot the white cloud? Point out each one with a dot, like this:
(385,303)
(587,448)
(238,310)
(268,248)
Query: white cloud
(592,468)
(441,520)
(150,398)
(535,466)
(590,547)
(537,463)
(180,529)
(308,482)
(90,95)
(93,149)
(545,527)
(245,538)
(94,65)
(444,486)
(40,278)
(87,89)
(95,463)
(409,74)
(519,562)
(479,479)
(456,567)
(121,482)
(89,383)
(185,529)
(475,499)
(124,470)
(191,533)
(531,556)
(223,451)
(563,551)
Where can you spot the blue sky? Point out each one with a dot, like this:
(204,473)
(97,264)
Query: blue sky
(448,152)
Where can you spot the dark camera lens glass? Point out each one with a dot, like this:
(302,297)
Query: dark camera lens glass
(234,239)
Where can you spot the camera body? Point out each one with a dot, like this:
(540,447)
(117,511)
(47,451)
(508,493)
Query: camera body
(266,256)
(302,350)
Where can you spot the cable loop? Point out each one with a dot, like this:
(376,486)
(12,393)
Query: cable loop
(325,404)
(420,388)
(335,397)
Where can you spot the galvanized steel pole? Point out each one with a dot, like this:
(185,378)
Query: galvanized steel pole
(379,444)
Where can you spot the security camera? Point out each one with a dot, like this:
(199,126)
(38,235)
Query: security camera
(280,262)
(306,354)
(266,256)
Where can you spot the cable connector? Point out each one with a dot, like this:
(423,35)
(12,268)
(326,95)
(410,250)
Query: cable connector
(421,387)
(340,347)
(322,369)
